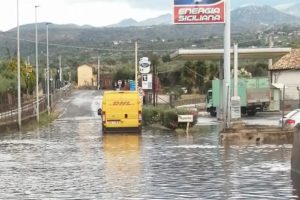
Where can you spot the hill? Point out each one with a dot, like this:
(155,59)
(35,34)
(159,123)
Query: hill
(80,42)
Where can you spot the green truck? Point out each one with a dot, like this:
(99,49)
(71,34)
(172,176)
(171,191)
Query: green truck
(254,94)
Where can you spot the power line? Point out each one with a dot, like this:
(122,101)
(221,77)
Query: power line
(168,71)
(112,49)
(93,48)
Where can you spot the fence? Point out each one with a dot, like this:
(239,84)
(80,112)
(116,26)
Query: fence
(192,99)
(28,110)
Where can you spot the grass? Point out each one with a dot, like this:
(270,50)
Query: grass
(32,124)
(45,119)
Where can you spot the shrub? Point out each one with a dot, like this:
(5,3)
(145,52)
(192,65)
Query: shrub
(151,115)
(166,117)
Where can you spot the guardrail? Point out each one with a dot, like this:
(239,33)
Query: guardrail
(28,111)
(29,108)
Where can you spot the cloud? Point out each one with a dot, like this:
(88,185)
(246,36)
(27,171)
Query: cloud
(142,4)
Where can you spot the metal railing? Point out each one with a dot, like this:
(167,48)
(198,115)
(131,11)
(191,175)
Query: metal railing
(29,108)
(192,100)
(28,111)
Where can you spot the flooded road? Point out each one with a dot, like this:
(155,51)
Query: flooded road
(71,159)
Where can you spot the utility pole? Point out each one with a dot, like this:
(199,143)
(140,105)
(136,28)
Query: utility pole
(154,85)
(37,68)
(136,65)
(27,75)
(270,64)
(48,86)
(60,72)
(226,82)
(19,70)
(98,82)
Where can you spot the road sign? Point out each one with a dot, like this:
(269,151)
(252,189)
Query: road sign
(185,118)
(119,82)
(199,11)
(147,81)
(144,65)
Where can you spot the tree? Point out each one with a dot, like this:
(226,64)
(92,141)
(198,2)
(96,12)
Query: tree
(9,77)
(258,69)
(166,58)
(200,69)
(188,76)
(123,74)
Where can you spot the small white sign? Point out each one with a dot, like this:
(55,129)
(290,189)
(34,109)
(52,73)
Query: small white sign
(185,118)
(144,65)
(235,107)
(147,81)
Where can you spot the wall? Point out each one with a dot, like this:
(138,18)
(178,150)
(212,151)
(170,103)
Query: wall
(85,76)
(290,78)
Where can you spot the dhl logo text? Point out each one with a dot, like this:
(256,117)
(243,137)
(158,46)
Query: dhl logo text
(121,103)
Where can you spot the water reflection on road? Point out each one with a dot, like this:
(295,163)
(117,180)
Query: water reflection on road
(122,165)
(71,159)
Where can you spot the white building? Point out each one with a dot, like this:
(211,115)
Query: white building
(286,71)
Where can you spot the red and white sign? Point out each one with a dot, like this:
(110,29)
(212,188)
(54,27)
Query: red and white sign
(199,11)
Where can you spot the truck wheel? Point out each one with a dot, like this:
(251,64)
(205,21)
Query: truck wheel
(213,113)
(243,110)
(251,112)
(103,129)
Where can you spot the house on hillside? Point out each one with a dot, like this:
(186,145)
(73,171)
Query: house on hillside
(286,71)
(86,77)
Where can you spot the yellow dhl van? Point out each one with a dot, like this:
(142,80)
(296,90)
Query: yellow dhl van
(121,111)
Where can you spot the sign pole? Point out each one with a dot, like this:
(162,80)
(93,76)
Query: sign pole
(98,74)
(136,66)
(187,127)
(19,70)
(226,82)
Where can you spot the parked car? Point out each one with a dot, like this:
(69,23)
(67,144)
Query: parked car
(291,119)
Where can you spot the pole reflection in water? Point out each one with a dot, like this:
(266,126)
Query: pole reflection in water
(122,164)
(295,162)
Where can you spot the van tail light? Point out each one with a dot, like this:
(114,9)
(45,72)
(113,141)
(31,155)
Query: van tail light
(140,116)
(103,116)
(290,122)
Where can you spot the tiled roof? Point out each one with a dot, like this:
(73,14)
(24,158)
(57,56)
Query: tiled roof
(289,61)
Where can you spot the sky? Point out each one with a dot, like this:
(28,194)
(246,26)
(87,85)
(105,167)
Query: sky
(81,12)
(91,12)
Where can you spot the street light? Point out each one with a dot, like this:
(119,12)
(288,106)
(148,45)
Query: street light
(48,86)
(37,67)
(136,66)
(19,70)
(98,74)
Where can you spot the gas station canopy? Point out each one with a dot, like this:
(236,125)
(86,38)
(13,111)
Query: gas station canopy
(218,54)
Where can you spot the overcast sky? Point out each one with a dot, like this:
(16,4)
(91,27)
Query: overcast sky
(81,12)
(88,12)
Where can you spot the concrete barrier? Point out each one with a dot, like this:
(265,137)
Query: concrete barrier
(295,162)
(241,133)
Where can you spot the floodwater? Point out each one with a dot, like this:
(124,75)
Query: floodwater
(71,159)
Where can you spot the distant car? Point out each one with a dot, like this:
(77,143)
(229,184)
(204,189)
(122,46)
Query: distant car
(291,119)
